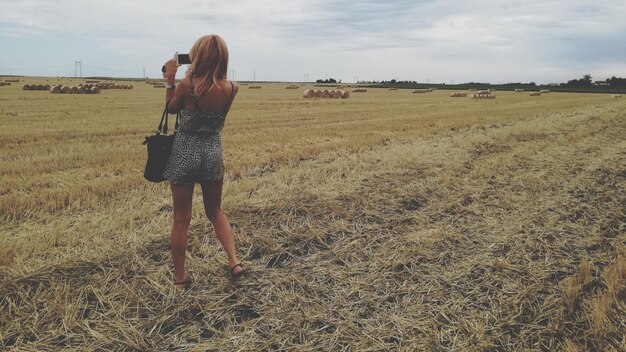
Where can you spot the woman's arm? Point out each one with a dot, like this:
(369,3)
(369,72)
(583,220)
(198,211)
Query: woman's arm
(174,96)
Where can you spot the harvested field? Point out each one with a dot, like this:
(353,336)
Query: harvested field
(385,221)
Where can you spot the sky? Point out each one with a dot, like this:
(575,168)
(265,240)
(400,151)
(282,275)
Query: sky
(437,41)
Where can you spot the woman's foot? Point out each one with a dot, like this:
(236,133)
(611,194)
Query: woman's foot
(183,285)
(236,272)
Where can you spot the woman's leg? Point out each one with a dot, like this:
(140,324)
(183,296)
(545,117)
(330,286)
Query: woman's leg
(182,196)
(212,197)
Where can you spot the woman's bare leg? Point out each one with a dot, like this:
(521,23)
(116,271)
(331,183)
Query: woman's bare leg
(182,196)
(212,197)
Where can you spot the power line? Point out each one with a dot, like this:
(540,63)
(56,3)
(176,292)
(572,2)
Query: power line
(33,68)
(109,69)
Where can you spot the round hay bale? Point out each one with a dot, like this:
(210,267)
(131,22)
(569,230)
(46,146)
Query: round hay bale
(55,89)
(309,93)
(325,93)
(65,89)
(318,93)
(40,87)
(95,90)
(73,90)
(345,94)
(332,94)
(26,87)
(46,87)
(82,89)
(130,86)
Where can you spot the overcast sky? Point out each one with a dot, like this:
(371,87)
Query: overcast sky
(438,41)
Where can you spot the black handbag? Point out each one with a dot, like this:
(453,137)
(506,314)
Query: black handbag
(159,149)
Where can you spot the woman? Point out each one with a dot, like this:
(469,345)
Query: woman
(203,97)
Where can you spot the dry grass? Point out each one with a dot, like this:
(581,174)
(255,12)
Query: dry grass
(386,221)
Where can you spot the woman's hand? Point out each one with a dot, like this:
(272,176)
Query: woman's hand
(170,67)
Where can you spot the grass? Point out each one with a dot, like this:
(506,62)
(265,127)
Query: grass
(386,221)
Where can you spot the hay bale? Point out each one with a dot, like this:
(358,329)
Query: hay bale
(535,94)
(82,89)
(95,90)
(309,93)
(332,94)
(318,93)
(544,91)
(483,96)
(617,96)
(65,89)
(39,87)
(55,89)
(26,87)
(325,93)
(345,94)
(519,90)
(74,90)
(458,95)
(130,86)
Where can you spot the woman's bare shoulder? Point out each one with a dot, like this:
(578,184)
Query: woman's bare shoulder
(235,86)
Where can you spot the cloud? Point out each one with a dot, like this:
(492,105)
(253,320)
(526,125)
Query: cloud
(493,40)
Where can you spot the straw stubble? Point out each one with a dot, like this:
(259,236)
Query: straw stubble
(376,223)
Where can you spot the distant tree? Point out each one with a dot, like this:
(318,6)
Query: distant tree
(585,81)
(616,82)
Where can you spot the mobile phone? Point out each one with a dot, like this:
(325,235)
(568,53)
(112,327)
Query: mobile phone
(182,59)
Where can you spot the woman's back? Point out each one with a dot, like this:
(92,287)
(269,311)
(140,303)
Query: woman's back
(217,99)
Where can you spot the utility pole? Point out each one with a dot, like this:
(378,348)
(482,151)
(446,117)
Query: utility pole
(253,76)
(144,72)
(78,67)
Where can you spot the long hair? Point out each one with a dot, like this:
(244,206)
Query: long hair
(209,63)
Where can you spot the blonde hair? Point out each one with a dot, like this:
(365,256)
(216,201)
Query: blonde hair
(209,63)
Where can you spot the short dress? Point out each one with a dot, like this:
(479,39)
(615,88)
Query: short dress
(196,154)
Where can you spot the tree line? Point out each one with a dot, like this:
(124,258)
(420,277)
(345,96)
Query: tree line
(584,81)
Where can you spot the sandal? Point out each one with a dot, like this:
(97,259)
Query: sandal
(239,274)
(185,284)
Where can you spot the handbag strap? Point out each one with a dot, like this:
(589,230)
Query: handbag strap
(163,124)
